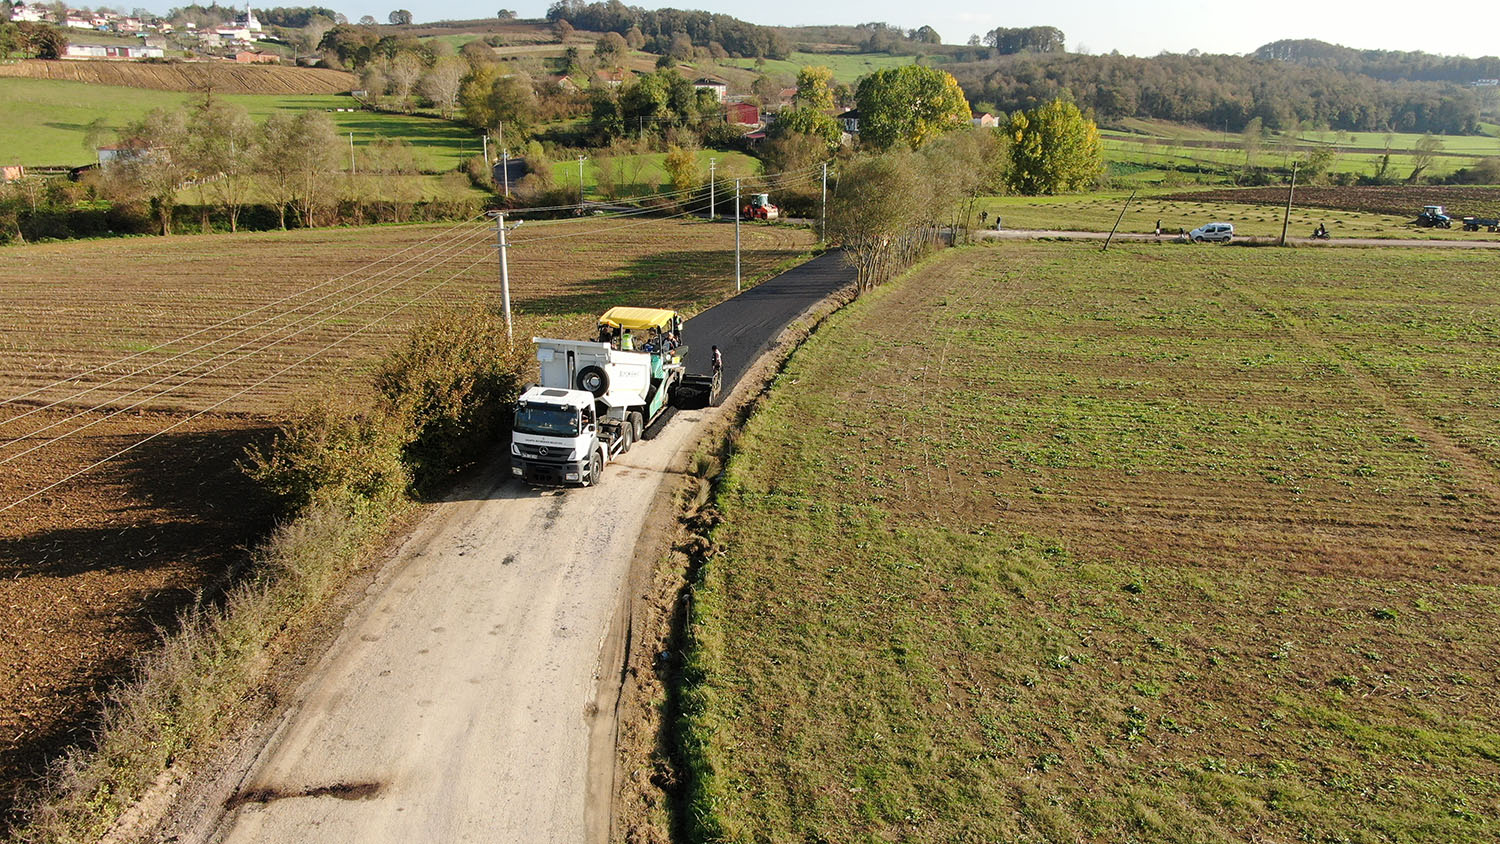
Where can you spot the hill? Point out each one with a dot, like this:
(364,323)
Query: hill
(1392,65)
(221,77)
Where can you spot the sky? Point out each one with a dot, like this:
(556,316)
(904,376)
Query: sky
(1099,26)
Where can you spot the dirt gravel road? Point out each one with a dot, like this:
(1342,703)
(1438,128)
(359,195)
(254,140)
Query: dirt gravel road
(466,698)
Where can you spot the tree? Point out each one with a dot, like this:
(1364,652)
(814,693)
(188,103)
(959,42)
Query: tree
(1031,39)
(400,17)
(681,165)
(634,38)
(1053,148)
(1422,155)
(493,99)
(925,35)
(506,14)
(809,122)
(221,153)
(814,87)
(443,82)
(294,157)
(368,20)
(404,73)
(909,105)
(873,217)
(610,48)
(157,162)
(562,30)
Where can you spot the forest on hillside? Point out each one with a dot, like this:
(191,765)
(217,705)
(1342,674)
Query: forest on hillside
(1221,91)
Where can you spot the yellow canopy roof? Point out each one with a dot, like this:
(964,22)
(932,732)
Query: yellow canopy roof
(638,319)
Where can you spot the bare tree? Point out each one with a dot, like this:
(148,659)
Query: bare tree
(405,72)
(156,161)
(221,150)
(443,82)
(1422,156)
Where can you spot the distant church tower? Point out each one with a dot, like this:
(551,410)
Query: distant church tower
(250,22)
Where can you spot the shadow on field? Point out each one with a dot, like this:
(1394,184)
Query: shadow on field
(111,561)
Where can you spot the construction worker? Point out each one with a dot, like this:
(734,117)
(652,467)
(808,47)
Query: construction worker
(627,344)
(718,361)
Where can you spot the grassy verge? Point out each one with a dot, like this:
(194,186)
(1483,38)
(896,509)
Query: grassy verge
(344,467)
(1047,545)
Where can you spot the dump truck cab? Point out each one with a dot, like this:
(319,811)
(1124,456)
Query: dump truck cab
(596,399)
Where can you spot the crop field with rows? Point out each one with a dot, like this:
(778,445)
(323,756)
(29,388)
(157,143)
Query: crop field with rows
(202,342)
(1044,544)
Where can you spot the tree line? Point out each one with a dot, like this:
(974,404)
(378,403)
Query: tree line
(732,36)
(1220,91)
(1390,65)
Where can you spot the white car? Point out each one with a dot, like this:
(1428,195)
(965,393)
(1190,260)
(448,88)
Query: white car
(1211,232)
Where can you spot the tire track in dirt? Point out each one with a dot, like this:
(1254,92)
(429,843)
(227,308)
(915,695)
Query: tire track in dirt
(1475,469)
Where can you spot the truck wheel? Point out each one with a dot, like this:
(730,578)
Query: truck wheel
(593,379)
(637,423)
(627,437)
(596,468)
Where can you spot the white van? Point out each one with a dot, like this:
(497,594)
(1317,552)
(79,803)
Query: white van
(1211,232)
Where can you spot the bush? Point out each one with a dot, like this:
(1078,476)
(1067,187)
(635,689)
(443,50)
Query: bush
(339,448)
(479,173)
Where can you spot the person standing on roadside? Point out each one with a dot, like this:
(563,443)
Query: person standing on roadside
(718,361)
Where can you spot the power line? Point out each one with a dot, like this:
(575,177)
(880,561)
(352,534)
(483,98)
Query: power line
(231,319)
(385,289)
(227,399)
(219,339)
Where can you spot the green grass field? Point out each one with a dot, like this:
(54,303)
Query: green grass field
(652,173)
(43,122)
(1157,545)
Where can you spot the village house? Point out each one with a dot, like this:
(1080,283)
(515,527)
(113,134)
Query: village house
(984,121)
(719,89)
(253,57)
(745,114)
(112,51)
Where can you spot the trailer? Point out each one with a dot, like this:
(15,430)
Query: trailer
(1474,224)
(597,398)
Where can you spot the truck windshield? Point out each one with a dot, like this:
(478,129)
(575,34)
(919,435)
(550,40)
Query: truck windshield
(547,421)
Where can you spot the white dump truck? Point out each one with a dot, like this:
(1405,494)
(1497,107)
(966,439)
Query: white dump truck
(598,398)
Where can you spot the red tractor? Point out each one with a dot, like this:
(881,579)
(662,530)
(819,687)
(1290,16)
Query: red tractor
(760,208)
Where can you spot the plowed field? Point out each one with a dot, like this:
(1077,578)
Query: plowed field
(1044,544)
(222,77)
(169,328)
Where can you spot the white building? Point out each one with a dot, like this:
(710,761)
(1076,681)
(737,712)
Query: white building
(112,51)
(34,14)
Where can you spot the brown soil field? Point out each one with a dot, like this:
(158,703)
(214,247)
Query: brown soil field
(223,77)
(1400,200)
(91,568)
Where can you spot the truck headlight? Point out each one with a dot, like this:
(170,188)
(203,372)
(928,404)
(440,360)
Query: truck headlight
(515,470)
(515,449)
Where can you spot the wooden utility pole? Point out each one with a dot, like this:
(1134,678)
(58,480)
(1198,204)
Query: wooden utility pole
(1117,222)
(1288,216)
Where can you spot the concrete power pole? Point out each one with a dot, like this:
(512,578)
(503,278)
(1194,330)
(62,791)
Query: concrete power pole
(736,235)
(505,172)
(504,272)
(823,210)
(580,184)
(712,206)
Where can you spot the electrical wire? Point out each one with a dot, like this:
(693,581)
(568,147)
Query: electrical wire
(31,435)
(219,339)
(229,398)
(222,323)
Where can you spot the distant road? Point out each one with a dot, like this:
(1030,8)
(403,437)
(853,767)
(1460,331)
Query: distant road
(1039,234)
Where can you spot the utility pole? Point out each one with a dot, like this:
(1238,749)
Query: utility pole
(580,184)
(712,207)
(736,235)
(823,210)
(1117,222)
(504,272)
(1288,217)
(351,153)
(485,139)
(505,173)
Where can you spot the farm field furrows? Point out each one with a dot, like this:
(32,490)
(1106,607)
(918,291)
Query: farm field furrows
(1164,545)
(223,77)
(1403,201)
(87,569)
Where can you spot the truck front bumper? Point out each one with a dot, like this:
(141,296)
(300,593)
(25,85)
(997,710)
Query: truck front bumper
(535,471)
